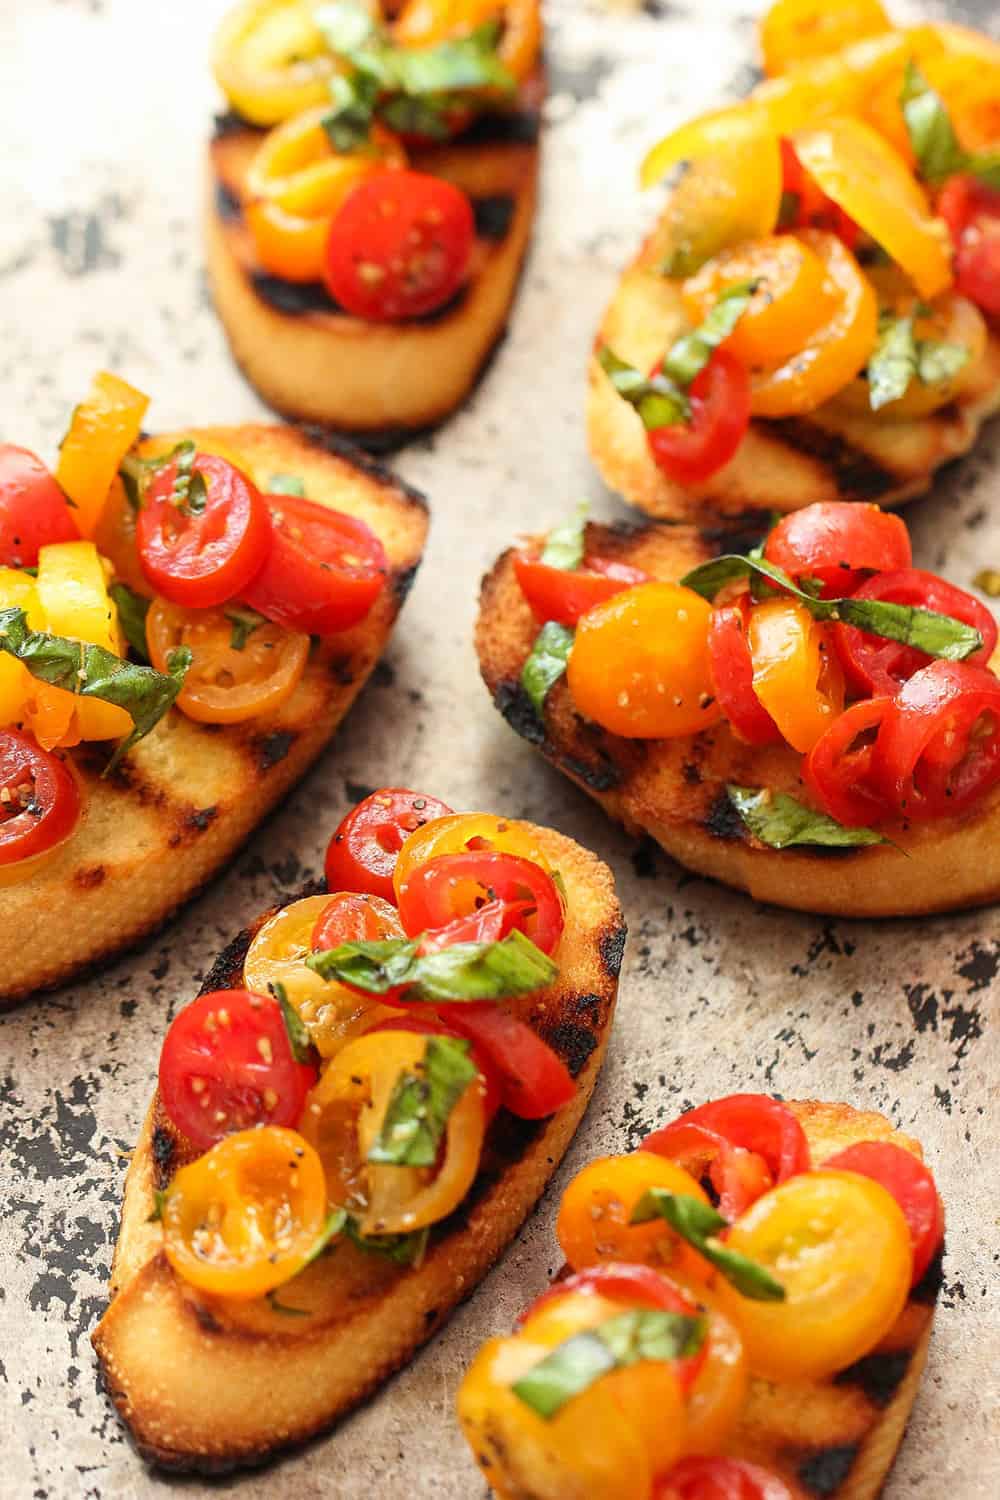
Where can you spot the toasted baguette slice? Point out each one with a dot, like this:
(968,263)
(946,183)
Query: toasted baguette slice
(380,382)
(780,465)
(185,798)
(675,790)
(207,1386)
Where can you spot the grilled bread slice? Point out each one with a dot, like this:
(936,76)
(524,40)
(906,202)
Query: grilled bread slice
(675,790)
(781,465)
(380,382)
(187,796)
(207,1386)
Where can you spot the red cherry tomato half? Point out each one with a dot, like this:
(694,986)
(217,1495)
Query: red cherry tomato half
(555,594)
(33,509)
(323,572)
(912,1185)
(838,769)
(731,668)
(719,1137)
(200,558)
(972,213)
(362,854)
(838,542)
(636,1286)
(227,1065)
(349,918)
(875,665)
(430,1025)
(938,750)
(455,886)
(39,798)
(489,924)
(536,1081)
(691,452)
(720,1479)
(399,246)
(806,206)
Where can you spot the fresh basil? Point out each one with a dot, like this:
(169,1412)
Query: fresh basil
(92,672)
(136,473)
(699,1224)
(939,152)
(656,398)
(244,621)
(284,1308)
(401,1249)
(286,484)
(132,611)
(778,820)
(348,125)
(686,359)
(900,357)
(465,971)
(159,1204)
(299,1040)
(546,663)
(573,1366)
(421,1103)
(335,1225)
(565,544)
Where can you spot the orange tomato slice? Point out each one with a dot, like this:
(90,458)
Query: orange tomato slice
(796,673)
(271,60)
(462,833)
(103,428)
(794,31)
(226,684)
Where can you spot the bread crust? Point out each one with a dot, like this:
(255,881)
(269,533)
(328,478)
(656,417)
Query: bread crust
(674,790)
(186,797)
(205,1387)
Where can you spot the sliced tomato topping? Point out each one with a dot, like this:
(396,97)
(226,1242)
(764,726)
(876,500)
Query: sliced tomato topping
(720,1479)
(838,543)
(555,594)
(731,667)
(536,1081)
(912,1185)
(838,768)
(456,886)
(362,854)
(806,206)
(874,665)
(938,750)
(691,452)
(972,213)
(39,799)
(227,1065)
(33,509)
(431,1025)
(352,918)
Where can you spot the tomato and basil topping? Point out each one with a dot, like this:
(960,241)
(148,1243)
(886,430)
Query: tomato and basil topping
(40,802)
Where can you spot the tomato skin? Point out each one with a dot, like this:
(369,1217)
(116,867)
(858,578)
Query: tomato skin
(972,213)
(435,893)
(720,1479)
(399,246)
(731,668)
(226,685)
(839,777)
(691,452)
(202,560)
(228,1054)
(536,1081)
(44,807)
(362,854)
(306,581)
(594,1224)
(430,1025)
(838,542)
(874,665)
(926,764)
(33,509)
(813,209)
(555,594)
(796,673)
(912,1185)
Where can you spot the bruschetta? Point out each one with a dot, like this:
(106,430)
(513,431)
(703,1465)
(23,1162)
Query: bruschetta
(371,198)
(768,1347)
(814,316)
(812,720)
(352,1122)
(218,625)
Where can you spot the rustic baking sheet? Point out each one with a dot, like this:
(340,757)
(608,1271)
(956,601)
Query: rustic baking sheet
(104,108)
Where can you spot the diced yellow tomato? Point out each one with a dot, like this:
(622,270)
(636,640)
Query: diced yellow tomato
(796,673)
(74,599)
(17,591)
(271,60)
(794,31)
(102,430)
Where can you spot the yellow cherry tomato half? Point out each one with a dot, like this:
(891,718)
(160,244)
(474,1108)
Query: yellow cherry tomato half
(796,671)
(462,833)
(793,31)
(73,594)
(226,684)
(424,23)
(639,664)
(271,60)
(952,319)
(101,431)
(719,1390)
(840,84)
(243,1218)
(839,1245)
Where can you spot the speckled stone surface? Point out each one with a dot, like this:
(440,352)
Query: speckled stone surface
(105,104)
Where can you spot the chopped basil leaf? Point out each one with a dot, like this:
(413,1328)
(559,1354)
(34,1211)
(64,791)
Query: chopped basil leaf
(401,1249)
(284,1309)
(465,971)
(780,821)
(900,357)
(132,611)
(286,484)
(547,662)
(686,359)
(335,1225)
(573,1366)
(659,402)
(83,668)
(938,361)
(988,581)
(939,152)
(135,473)
(421,1103)
(244,621)
(699,1224)
(159,1204)
(348,126)
(299,1039)
(564,545)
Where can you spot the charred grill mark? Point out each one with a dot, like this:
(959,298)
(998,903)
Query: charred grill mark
(90,879)
(723,821)
(516,127)
(164,1146)
(494,215)
(273,747)
(928,1287)
(202,818)
(227,971)
(746,532)
(516,707)
(296,299)
(227,203)
(228,122)
(824,1471)
(602,778)
(573,1043)
(403,581)
(856,474)
(611,944)
(878,1375)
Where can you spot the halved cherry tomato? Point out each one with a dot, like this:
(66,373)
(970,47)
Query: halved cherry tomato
(40,802)
(431,1025)
(720,1479)
(324,570)
(490,923)
(227,1064)
(243,1218)
(555,594)
(838,768)
(640,667)
(972,213)
(745,1142)
(875,665)
(794,31)
(226,684)
(199,558)
(839,1245)
(462,833)
(912,1185)
(796,672)
(938,750)
(535,1080)
(691,452)
(349,917)
(271,60)
(594,1223)
(806,206)
(455,885)
(838,542)
(33,509)
(399,247)
(732,674)
(362,854)
(103,428)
